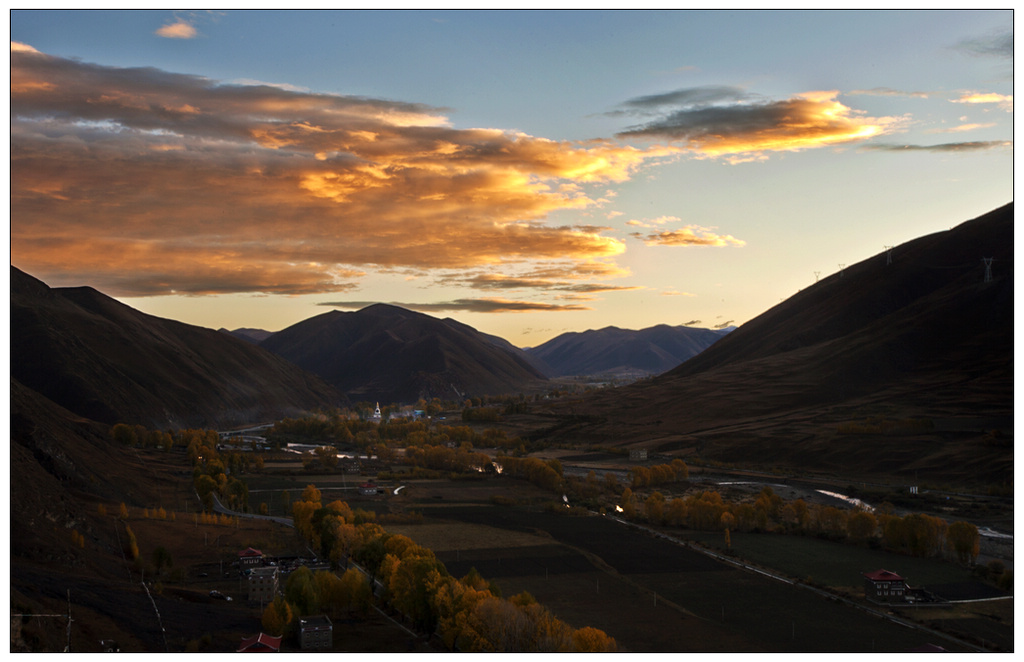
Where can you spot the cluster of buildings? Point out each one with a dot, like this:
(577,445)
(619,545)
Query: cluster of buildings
(264,578)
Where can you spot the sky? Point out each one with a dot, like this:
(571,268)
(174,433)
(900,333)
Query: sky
(527,173)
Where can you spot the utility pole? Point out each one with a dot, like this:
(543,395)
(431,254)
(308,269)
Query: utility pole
(68,649)
(988,268)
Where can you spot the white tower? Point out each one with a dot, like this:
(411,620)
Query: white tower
(376,412)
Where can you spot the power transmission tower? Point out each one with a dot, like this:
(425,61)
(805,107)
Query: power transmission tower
(816,274)
(988,268)
(841,267)
(888,255)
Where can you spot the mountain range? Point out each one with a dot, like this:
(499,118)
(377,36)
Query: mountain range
(916,341)
(899,365)
(623,352)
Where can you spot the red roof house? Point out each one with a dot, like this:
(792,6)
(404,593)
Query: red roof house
(884,586)
(261,643)
(250,557)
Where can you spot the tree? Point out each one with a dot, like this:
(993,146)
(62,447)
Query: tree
(654,508)
(132,545)
(628,505)
(682,471)
(300,590)
(963,539)
(277,616)
(311,495)
(355,589)
(124,434)
(861,525)
(592,640)
(407,586)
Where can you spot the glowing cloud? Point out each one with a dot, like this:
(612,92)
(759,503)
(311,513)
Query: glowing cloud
(153,182)
(1004,101)
(723,121)
(180,29)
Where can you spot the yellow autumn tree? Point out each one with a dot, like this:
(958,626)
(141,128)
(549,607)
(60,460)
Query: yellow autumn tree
(277,616)
(592,640)
(963,539)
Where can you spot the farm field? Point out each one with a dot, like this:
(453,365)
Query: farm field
(651,595)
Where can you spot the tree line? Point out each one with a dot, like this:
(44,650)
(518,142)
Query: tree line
(467,614)
(915,534)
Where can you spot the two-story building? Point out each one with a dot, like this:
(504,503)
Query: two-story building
(884,586)
(316,633)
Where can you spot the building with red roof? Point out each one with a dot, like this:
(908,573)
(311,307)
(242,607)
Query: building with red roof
(249,557)
(884,586)
(261,643)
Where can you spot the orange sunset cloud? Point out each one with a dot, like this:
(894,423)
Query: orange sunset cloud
(151,182)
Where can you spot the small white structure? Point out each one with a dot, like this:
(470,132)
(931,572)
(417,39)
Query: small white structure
(376,412)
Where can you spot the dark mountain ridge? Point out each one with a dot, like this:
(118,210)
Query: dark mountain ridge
(612,350)
(390,354)
(255,336)
(916,355)
(107,362)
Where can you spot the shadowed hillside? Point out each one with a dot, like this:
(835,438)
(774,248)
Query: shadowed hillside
(391,354)
(900,369)
(108,362)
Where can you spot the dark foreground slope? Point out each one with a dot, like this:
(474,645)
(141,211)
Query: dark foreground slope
(110,363)
(389,354)
(612,350)
(901,370)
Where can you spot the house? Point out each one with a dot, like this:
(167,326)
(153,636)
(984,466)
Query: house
(316,633)
(638,454)
(261,643)
(249,558)
(368,489)
(884,586)
(263,584)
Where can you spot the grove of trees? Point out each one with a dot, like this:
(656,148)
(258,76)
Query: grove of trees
(468,614)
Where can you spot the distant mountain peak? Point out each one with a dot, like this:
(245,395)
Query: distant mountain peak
(388,353)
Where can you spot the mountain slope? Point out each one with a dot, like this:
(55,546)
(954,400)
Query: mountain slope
(613,350)
(107,362)
(901,369)
(389,354)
